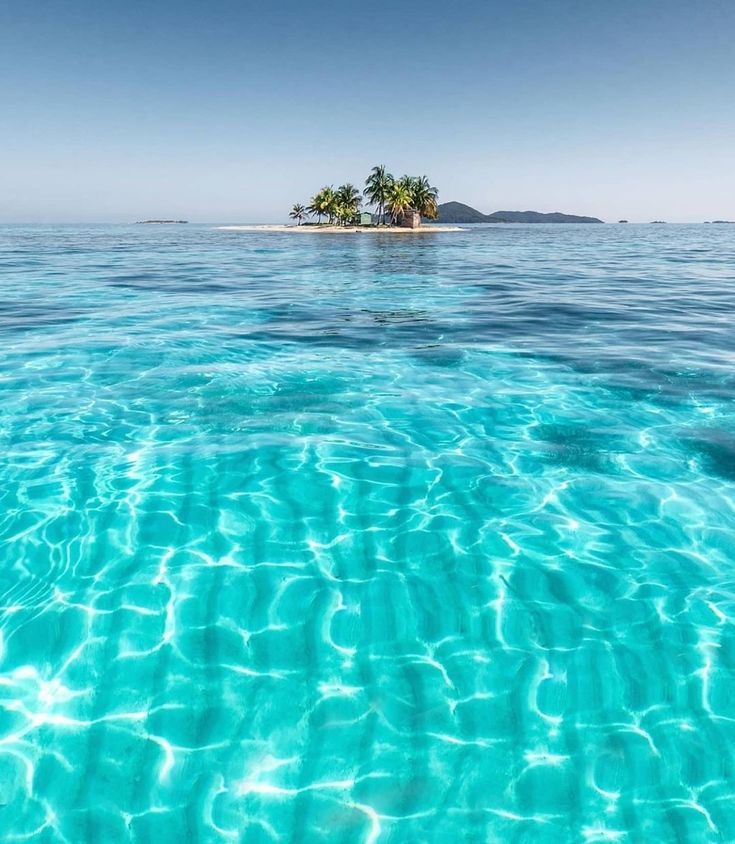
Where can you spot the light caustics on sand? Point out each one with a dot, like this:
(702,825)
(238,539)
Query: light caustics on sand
(364,540)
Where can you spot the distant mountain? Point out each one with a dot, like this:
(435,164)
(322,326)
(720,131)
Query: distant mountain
(538,217)
(458,212)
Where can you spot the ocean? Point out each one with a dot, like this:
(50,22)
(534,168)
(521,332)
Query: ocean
(367,538)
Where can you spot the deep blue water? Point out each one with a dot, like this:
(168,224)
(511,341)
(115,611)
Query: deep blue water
(367,538)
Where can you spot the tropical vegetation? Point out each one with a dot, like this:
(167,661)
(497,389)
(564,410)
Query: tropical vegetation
(390,198)
(377,188)
(298,213)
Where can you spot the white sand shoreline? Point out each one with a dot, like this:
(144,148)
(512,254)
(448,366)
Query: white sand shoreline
(341,229)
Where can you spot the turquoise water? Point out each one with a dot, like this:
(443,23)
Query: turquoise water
(367,538)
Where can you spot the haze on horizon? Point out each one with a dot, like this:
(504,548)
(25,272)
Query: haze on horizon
(232,111)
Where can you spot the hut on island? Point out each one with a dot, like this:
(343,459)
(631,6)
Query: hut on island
(410,219)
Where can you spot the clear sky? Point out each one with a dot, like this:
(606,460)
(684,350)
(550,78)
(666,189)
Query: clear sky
(233,111)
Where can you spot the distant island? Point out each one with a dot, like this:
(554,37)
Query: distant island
(148,222)
(458,212)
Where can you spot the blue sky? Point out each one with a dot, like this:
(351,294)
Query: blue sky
(233,111)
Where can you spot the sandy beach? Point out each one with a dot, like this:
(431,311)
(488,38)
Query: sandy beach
(342,229)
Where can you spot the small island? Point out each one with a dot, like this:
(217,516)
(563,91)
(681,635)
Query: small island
(398,205)
(160,222)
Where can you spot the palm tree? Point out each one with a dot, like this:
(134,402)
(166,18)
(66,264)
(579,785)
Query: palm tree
(315,207)
(424,198)
(348,202)
(343,213)
(298,212)
(323,202)
(349,195)
(329,203)
(398,198)
(377,186)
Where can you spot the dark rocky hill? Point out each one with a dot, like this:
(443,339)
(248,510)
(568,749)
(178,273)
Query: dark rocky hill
(538,217)
(458,212)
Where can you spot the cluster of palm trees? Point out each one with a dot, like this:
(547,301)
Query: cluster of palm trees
(339,206)
(390,196)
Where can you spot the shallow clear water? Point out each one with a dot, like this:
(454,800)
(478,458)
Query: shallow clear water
(367,539)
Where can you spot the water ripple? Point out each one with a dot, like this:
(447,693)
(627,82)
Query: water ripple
(335,539)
